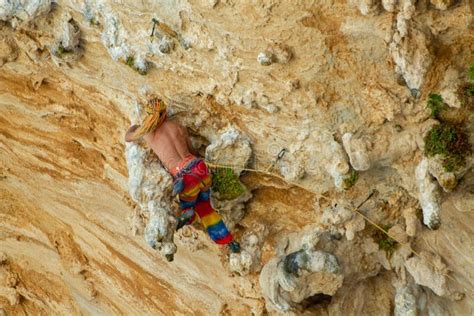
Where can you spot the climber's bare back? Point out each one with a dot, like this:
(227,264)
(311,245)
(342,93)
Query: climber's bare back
(170,143)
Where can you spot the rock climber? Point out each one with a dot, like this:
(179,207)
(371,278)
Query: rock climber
(192,179)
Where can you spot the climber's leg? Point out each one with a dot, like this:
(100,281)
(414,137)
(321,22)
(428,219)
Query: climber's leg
(211,220)
(198,181)
(187,200)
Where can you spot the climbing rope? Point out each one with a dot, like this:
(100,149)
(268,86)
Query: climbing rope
(355,210)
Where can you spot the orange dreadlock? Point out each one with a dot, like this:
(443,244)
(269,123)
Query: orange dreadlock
(156,110)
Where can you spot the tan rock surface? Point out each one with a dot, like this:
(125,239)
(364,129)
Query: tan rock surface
(342,86)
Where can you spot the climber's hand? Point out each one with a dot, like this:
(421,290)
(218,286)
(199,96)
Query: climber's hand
(129,134)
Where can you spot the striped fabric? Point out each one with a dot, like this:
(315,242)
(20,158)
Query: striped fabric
(196,195)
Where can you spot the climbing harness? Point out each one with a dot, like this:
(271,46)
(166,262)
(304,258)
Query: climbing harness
(178,183)
(156,115)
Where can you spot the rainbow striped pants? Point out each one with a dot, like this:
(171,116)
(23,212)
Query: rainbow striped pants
(196,194)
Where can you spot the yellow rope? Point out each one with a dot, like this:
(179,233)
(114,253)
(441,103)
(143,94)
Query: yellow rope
(355,210)
(268,173)
(319,196)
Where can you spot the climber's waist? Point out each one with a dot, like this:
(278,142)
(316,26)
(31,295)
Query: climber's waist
(184,166)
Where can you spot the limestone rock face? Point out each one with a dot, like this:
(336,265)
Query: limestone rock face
(149,187)
(299,275)
(230,148)
(9,50)
(410,50)
(250,259)
(441,4)
(429,195)
(405,301)
(429,271)
(19,12)
(319,107)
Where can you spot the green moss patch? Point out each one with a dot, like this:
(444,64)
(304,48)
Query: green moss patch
(466,91)
(449,141)
(130,62)
(470,90)
(60,51)
(227,184)
(351,179)
(435,104)
(466,95)
(384,241)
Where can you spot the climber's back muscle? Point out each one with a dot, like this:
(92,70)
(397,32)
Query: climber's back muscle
(169,142)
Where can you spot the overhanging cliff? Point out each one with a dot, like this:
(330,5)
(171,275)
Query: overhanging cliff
(328,96)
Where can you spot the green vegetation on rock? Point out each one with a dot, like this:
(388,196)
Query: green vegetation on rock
(384,241)
(130,62)
(227,184)
(387,244)
(449,141)
(351,179)
(435,104)
(470,90)
(60,51)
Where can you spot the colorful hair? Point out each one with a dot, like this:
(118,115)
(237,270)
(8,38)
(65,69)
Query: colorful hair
(156,110)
